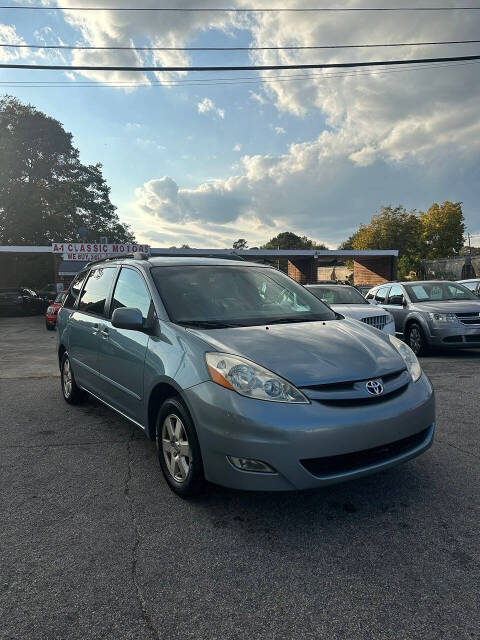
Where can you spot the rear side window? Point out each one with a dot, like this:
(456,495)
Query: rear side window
(96,290)
(131,291)
(381,294)
(74,290)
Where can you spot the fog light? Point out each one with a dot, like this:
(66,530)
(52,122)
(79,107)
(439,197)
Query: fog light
(247,464)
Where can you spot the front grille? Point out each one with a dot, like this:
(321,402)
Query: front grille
(378,322)
(354,392)
(334,465)
(469,318)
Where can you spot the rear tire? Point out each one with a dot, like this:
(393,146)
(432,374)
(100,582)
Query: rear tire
(178,450)
(70,391)
(50,327)
(416,340)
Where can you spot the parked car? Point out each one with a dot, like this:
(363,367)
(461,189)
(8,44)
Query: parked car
(241,375)
(20,301)
(435,313)
(346,300)
(48,292)
(52,311)
(473,284)
(363,288)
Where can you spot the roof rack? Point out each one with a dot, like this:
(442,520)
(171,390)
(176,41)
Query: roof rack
(137,255)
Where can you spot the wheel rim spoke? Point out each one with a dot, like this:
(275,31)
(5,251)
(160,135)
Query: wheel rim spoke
(176,448)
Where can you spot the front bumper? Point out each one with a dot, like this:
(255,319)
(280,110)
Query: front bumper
(283,435)
(455,335)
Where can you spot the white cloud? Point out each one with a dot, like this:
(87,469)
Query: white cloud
(146,143)
(237,147)
(9,35)
(257,97)
(207,105)
(280,130)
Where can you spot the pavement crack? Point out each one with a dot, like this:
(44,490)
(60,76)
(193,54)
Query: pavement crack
(449,444)
(137,539)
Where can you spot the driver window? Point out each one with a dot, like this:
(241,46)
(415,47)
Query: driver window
(395,297)
(131,291)
(381,295)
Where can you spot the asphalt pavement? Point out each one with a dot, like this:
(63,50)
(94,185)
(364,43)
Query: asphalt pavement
(94,545)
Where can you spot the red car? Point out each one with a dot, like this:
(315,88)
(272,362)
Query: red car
(51,313)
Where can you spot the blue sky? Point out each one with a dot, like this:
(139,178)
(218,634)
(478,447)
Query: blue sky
(205,165)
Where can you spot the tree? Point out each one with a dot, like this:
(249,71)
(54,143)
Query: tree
(392,228)
(443,229)
(289,240)
(46,193)
(241,243)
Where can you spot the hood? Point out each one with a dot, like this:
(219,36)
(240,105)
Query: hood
(449,306)
(359,311)
(309,353)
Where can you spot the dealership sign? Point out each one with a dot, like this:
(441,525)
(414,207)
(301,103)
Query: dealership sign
(89,251)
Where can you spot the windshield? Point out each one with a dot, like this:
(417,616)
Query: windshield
(225,296)
(438,292)
(338,294)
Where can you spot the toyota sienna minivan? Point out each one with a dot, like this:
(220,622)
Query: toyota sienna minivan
(242,376)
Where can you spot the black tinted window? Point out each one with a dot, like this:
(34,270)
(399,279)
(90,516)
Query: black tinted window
(381,294)
(74,290)
(395,295)
(96,290)
(131,291)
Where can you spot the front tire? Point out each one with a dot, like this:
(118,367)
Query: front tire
(178,450)
(416,339)
(71,393)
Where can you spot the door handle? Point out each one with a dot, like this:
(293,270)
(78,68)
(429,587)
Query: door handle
(104,332)
(95,329)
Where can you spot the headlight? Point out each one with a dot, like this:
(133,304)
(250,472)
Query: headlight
(249,379)
(50,310)
(409,357)
(443,317)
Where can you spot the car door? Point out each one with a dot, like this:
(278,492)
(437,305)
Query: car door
(395,303)
(122,351)
(85,324)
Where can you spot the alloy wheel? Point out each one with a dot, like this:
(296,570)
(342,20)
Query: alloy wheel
(176,448)
(67,378)
(415,340)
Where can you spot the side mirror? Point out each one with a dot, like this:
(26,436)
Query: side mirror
(128,318)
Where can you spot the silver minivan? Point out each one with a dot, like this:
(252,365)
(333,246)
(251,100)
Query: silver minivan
(241,375)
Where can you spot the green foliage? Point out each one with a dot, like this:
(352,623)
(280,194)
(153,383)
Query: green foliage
(442,230)
(241,243)
(46,193)
(436,233)
(289,240)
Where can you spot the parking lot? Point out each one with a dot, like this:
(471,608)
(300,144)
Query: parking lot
(94,544)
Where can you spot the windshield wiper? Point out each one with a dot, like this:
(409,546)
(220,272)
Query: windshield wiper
(290,320)
(207,324)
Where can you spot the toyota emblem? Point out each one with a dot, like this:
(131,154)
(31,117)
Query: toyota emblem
(374,387)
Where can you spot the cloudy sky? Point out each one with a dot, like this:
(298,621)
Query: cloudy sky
(206,158)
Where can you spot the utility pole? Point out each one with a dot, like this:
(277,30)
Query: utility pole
(469,245)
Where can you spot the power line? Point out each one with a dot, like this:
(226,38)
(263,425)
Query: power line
(270,67)
(237,10)
(286,48)
(219,81)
